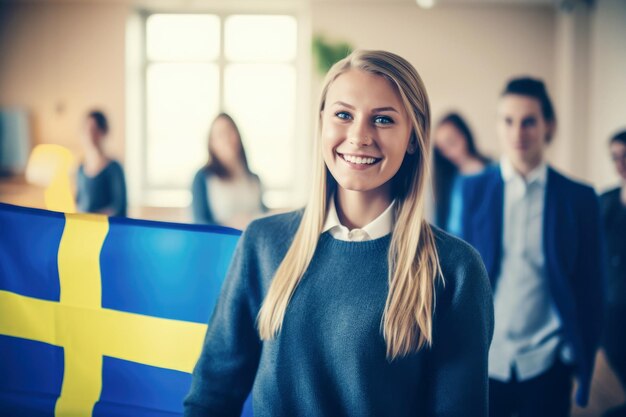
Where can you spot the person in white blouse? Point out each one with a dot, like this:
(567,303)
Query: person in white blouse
(225,191)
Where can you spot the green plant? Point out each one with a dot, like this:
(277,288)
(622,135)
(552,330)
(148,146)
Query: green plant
(326,53)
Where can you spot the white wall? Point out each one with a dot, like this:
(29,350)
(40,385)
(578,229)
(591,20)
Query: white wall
(571,95)
(607,87)
(61,59)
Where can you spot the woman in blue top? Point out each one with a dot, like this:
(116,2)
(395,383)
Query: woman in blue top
(354,306)
(100,183)
(225,191)
(455,157)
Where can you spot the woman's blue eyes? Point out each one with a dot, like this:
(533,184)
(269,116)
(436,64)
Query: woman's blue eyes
(379,120)
(383,120)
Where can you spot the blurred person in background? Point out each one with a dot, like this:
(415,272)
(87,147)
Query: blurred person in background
(455,157)
(613,204)
(225,191)
(100,183)
(539,234)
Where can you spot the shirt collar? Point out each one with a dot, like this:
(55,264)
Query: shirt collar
(377,228)
(539,174)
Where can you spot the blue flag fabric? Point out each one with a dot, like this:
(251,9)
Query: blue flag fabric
(103,316)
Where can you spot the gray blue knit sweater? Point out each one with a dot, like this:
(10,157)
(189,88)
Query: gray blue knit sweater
(329,357)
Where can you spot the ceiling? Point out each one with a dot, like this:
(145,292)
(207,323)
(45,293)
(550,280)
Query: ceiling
(204,3)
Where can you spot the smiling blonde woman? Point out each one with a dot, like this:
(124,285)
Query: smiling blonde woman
(355,306)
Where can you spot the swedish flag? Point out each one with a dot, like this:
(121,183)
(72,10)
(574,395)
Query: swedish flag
(103,316)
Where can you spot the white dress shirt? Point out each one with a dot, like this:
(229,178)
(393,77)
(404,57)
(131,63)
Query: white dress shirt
(379,227)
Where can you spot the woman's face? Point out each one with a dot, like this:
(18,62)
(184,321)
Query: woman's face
(451,143)
(225,142)
(365,132)
(618,155)
(92,135)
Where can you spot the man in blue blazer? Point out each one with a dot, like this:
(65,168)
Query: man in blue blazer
(538,233)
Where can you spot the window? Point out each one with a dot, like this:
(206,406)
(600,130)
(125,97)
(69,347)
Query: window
(200,64)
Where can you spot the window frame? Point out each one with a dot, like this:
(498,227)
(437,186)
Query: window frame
(141,192)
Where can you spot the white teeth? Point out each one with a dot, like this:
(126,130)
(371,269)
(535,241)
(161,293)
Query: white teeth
(359,160)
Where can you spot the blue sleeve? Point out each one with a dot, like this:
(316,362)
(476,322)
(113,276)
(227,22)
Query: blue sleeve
(118,191)
(590,276)
(454,221)
(462,332)
(225,371)
(466,192)
(200,201)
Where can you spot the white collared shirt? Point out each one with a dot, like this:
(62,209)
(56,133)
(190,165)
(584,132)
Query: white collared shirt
(379,227)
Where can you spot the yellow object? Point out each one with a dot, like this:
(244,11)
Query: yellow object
(50,166)
(85,330)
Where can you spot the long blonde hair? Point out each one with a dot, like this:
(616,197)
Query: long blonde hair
(413,261)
